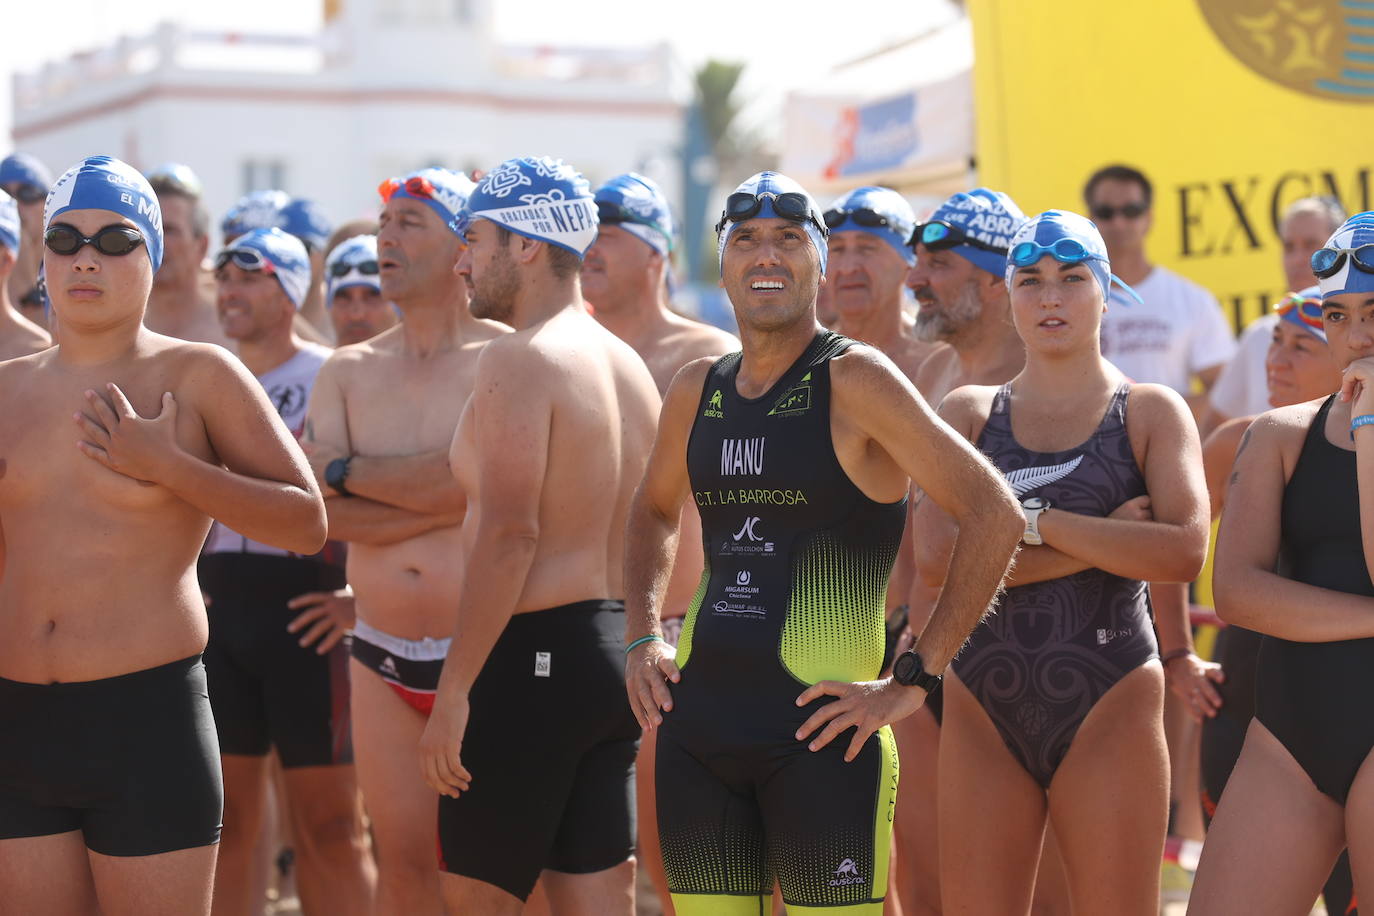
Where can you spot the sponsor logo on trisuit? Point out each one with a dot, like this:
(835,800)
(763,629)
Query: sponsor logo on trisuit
(747,540)
(794,400)
(713,408)
(543,664)
(1023,480)
(742,589)
(846,874)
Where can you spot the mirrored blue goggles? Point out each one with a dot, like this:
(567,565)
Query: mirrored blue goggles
(1066,251)
(940,235)
(1327,262)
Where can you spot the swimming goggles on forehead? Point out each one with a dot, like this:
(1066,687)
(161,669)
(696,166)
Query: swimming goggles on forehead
(246,258)
(1327,262)
(111,240)
(862,216)
(743,205)
(1065,251)
(344,268)
(940,235)
(415,186)
(1309,309)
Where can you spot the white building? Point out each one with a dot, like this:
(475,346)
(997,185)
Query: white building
(388,86)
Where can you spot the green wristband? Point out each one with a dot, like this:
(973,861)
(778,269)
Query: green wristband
(641,641)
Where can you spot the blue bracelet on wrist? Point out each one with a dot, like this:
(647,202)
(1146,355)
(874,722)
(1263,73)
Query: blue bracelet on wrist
(652,637)
(1364,419)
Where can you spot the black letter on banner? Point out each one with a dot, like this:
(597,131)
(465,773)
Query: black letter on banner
(1275,216)
(1242,220)
(1189,220)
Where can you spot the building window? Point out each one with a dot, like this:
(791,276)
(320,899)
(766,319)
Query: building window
(263,174)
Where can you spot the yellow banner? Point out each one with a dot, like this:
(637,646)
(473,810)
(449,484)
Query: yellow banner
(1233,108)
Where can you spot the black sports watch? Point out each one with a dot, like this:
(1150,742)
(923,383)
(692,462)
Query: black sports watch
(909,671)
(336,474)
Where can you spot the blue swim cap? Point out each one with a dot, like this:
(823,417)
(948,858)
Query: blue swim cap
(444,191)
(885,202)
(21,168)
(543,199)
(1052,226)
(179,176)
(775,183)
(990,217)
(1304,310)
(350,253)
(9,224)
(1354,232)
(285,257)
(105,183)
(306,221)
(637,205)
(254,210)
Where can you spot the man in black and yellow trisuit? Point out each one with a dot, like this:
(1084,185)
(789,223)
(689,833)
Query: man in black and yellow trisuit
(798,453)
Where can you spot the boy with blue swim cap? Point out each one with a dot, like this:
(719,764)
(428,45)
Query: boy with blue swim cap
(18,335)
(104,622)
(530,744)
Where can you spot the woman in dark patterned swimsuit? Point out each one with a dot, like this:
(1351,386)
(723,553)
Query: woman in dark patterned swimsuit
(1053,709)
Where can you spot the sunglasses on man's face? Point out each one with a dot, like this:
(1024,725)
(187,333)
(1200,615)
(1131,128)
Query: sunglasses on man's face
(1105,213)
(116,240)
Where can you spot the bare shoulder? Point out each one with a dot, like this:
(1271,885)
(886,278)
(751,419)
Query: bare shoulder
(1223,442)
(933,367)
(865,368)
(690,380)
(1285,427)
(968,407)
(692,338)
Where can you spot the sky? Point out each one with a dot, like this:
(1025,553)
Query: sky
(788,45)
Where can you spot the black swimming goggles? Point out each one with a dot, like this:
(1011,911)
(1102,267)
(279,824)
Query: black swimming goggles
(791,205)
(1327,262)
(863,216)
(117,241)
(939,235)
(610,214)
(246,258)
(26,193)
(344,268)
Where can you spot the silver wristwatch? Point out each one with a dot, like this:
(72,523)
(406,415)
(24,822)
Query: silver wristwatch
(1032,508)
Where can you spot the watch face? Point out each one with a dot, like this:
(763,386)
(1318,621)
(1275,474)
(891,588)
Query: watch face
(904,668)
(1034,502)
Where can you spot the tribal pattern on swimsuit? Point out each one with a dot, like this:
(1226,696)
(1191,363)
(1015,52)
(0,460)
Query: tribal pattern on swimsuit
(1051,650)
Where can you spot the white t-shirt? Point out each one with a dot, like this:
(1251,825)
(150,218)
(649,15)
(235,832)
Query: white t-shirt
(1178,332)
(1242,389)
(288,387)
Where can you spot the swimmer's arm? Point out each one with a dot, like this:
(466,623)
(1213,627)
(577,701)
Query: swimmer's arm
(1218,455)
(652,537)
(263,489)
(1173,545)
(1245,587)
(419,483)
(884,405)
(363,521)
(513,419)
(652,527)
(422,482)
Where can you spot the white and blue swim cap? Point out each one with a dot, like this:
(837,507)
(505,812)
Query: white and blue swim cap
(105,183)
(1339,250)
(353,262)
(758,198)
(637,205)
(1070,239)
(540,198)
(274,252)
(9,224)
(988,217)
(880,212)
(306,221)
(254,210)
(444,191)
